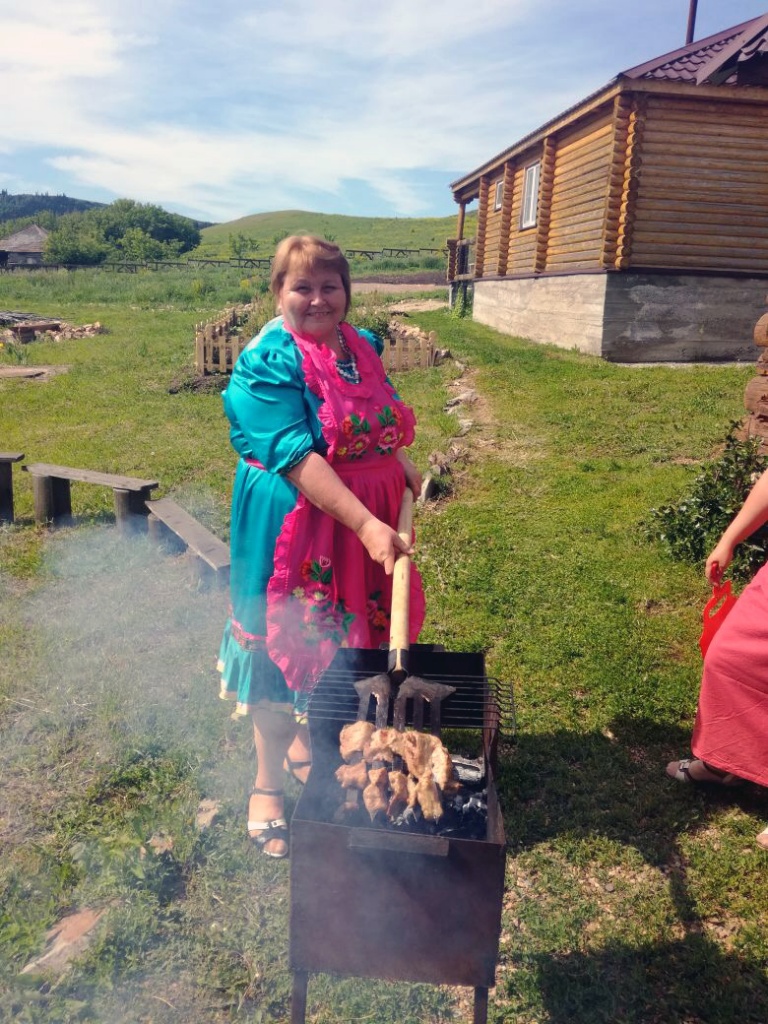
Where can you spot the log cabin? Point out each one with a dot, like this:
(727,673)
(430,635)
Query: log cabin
(634,225)
(24,248)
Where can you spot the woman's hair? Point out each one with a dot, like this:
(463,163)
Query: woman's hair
(308,252)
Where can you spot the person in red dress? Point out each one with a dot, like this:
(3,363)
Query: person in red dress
(730,734)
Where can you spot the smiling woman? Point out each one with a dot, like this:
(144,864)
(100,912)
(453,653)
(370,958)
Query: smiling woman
(321,435)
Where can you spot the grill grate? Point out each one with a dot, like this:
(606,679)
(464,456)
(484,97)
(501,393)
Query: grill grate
(479,702)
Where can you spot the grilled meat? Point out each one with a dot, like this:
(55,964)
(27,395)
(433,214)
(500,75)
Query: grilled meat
(375,794)
(428,770)
(353,738)
(398,783)
(353,775)
(382,745)
(428,797)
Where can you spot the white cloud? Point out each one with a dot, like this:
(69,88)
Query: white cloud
(222,111)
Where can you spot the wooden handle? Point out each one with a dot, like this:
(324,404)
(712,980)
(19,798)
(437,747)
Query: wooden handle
(399,633)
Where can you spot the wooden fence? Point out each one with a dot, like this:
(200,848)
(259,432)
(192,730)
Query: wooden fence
(219,343)
(409,352)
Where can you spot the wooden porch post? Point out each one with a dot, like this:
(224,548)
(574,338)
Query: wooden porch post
(460,223)
(482,225)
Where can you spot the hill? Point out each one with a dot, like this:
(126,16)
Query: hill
(259,234)
(14,207)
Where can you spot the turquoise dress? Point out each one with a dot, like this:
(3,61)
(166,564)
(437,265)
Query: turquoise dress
(285,400)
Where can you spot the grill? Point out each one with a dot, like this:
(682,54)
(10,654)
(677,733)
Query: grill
(371,902)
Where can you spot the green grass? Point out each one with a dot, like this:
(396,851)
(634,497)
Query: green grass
(628,898)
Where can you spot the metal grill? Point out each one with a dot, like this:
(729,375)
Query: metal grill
(368,902)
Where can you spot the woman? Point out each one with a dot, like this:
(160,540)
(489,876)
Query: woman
(730,735)
(321,435)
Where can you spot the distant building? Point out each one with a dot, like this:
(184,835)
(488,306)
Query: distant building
(634,225)
(24,248)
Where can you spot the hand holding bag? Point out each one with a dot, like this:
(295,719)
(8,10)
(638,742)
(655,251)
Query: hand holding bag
(716,611)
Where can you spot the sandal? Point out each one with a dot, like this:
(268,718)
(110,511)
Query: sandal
(762,839)
(291,767)
(266,831)
(703,773)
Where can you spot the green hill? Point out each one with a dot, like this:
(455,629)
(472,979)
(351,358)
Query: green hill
(14,207)
(257,235)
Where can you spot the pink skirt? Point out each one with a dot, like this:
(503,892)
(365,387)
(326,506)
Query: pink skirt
(326,592)
(731,729)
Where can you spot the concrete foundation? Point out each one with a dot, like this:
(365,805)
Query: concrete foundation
(630,316)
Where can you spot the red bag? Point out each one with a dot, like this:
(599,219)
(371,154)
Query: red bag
(716,610)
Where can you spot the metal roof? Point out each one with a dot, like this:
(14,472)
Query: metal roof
(698,61)
(29,239)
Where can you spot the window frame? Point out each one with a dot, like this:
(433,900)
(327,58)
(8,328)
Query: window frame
(498,195)
(529,208)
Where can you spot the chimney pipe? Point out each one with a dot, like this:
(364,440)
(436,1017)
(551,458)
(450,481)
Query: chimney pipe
(691,22)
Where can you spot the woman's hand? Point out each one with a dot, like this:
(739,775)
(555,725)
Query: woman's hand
(412,474)
(718,562)
(382,543)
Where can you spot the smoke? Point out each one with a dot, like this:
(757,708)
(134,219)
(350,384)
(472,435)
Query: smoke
(114,652)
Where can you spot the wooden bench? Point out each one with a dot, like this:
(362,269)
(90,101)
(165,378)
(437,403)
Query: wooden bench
(53,499)
(6,484)
(210,555)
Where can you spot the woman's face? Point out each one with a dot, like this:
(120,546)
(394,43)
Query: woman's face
(313,302)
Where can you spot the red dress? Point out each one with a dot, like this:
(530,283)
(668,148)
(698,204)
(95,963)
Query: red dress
(731,729)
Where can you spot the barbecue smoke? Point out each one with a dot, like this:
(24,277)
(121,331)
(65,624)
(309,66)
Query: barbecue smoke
(116,654)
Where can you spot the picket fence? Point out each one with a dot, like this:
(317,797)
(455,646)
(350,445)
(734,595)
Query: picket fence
(218,344)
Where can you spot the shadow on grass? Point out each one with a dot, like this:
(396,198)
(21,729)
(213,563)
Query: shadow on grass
(686,982)
(576,790)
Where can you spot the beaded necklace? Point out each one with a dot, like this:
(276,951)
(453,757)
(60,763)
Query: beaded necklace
(347,367)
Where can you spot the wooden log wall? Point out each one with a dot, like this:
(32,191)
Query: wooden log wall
(622,112)
(482,226)
(631,183)
(703,186)
(577,218)
(544,208)
(505,224)
(522,243)
(570,225)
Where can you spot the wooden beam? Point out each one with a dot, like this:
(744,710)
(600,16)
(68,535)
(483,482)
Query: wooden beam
(546,185)
(482,226)
(506,217)
(630,185)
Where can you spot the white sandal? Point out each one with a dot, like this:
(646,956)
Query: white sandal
(681,771)
(263,832)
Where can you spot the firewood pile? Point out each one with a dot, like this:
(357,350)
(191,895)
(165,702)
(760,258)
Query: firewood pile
(49,330)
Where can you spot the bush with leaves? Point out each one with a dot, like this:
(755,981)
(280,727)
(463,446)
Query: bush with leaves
(691,527)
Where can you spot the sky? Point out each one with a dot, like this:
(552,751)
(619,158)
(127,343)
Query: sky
(218,109)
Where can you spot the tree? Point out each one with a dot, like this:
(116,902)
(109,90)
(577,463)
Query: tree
(70,244)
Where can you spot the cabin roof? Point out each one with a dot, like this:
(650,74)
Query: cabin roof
(705,61)
(29,239)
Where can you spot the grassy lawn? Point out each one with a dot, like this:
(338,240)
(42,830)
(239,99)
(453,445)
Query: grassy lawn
(629,898)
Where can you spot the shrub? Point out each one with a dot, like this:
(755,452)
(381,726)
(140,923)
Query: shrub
(691,527)
(372,318)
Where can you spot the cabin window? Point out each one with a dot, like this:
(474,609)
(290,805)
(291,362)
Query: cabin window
(498,195)
(530,195)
